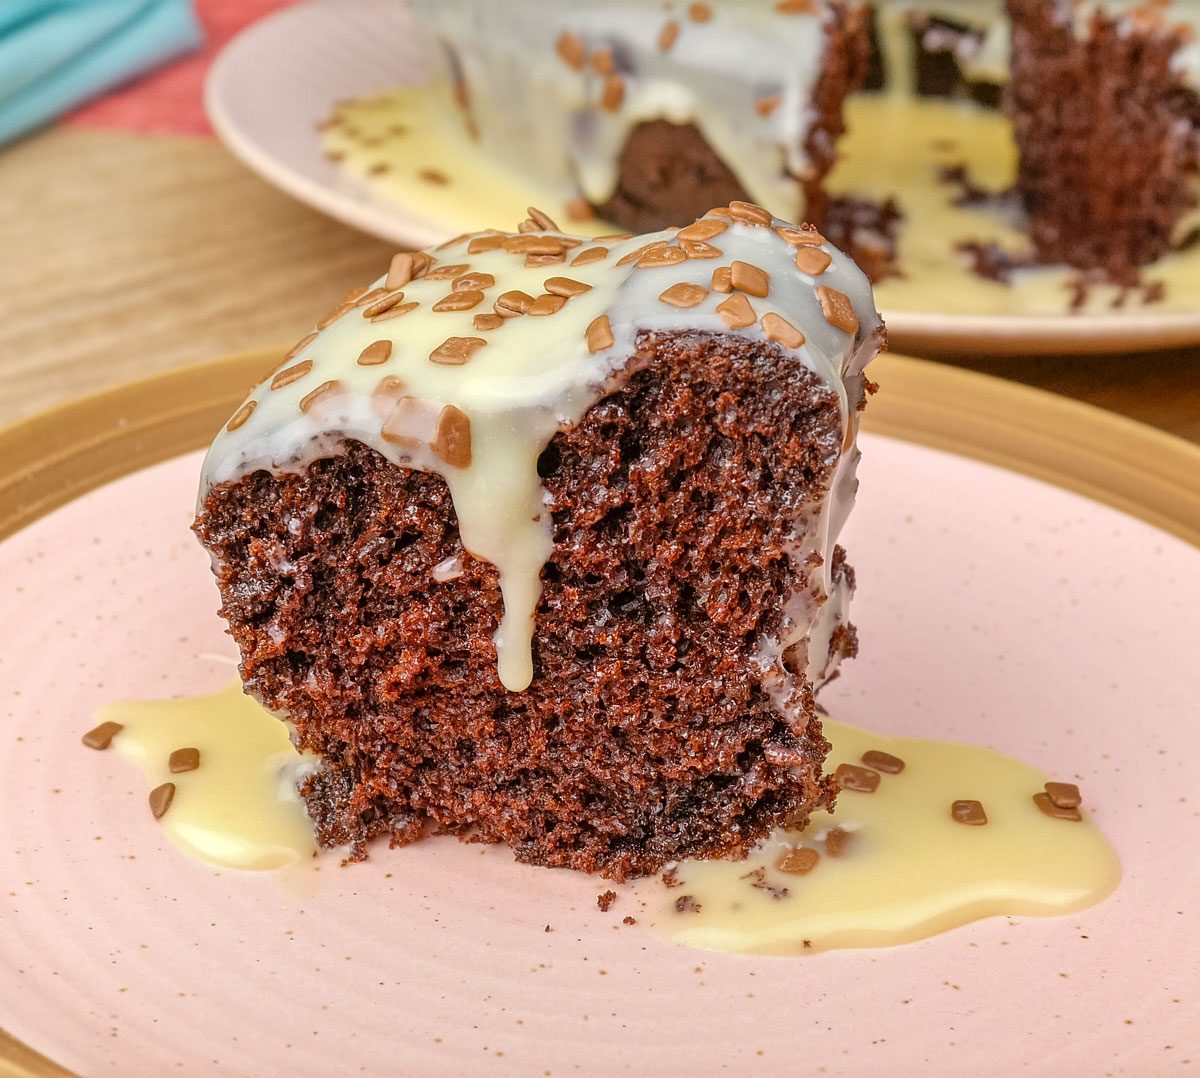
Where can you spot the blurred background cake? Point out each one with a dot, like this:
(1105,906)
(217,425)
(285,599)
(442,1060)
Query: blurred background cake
(647,114)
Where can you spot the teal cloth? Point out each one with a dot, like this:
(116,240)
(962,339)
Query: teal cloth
(55,54)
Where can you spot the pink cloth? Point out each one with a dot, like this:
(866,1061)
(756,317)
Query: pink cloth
(170,101)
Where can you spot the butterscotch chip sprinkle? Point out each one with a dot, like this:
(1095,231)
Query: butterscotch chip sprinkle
(602,61)
(543,220)
(637,253)
(396,312)
(882,761)
(662,256)
(684,295)
(100,737)
(750,213)
(400,271)
(533,244)
(798,862)
(748,278)
(378,168)
(329,317)
(700,249)
(668,35)
(1065,795)
(599,334)
(795,7)
(1042,800)
(969,812)
(488,321)
(367,298)
(160,799)
(836,841)
(432,175)
(721,280)
(570,49)
(354,294)
(469,281)
(613,237)
(459,301)
(580,209)
(448,272)
(837,309)
(614,93)
(182,760)
(766,105)
(291,374)
(450,243)
(779,329)
(533,261)
(389,386)
(479,244)
(858,779)
(545,304)
(299,346)
(238,419)
(380,305)
(699,12)
(800,237)
(452,437)
(565,286)
(589,254)
(736,312)
(512,303)
(398,426)
(455,351)
(720,211)
(704,229)
(812,260)
(323,390)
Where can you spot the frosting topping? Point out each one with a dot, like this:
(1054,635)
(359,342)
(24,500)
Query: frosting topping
(466,359)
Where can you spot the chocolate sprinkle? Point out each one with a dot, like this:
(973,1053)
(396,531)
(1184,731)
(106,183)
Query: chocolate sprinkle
(798,862)
(100,737)
(182,760)
(968,812)
(1065,795)
(882,761)
(859,779)
(160,799)
(1042,800)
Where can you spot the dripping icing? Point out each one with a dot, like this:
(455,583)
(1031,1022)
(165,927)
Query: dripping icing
(534,376)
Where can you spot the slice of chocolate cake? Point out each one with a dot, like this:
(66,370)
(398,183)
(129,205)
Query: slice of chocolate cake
(534,540)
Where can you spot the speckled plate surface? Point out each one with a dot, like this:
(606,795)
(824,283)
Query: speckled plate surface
(992,608)
(276,81)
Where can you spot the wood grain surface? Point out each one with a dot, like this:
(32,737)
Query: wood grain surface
(127,254)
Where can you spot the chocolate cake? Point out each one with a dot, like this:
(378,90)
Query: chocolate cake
(534,540)
(646,114)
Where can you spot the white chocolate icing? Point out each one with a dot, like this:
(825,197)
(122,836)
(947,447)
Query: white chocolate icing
(537,375)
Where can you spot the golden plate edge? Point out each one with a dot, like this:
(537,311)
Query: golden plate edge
(50,458)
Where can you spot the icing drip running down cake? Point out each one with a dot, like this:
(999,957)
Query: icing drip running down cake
(641,113)
(534,540)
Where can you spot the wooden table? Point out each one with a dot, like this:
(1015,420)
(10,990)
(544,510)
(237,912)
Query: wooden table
(125,254)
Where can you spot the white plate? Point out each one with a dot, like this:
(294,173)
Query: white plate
(278,79)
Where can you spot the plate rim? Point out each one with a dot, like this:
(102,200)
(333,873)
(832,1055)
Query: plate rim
(65,451)
(911,331)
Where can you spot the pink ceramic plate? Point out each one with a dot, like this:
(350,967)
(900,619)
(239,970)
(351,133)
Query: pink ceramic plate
(992,608)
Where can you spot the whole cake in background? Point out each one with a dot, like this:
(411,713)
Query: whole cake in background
(534,540)
(648,113)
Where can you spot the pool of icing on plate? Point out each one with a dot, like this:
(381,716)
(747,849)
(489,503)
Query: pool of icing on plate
(894,146)
(905,868)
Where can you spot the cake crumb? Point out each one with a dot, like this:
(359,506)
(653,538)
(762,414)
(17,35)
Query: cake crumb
(606,900)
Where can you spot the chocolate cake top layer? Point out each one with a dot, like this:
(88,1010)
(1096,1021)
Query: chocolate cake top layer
(466,359)
(555,89)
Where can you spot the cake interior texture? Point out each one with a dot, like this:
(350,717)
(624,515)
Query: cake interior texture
(648,733)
